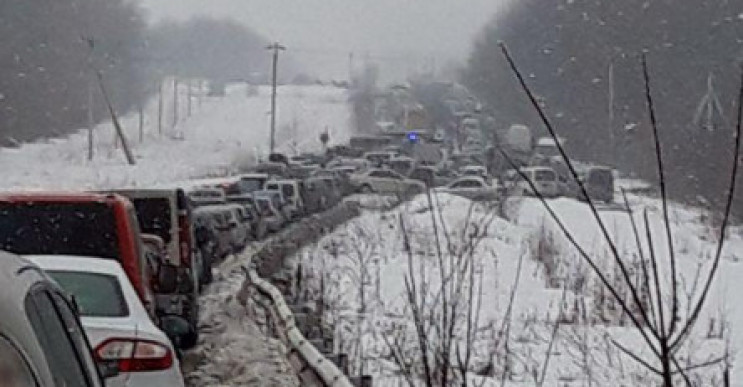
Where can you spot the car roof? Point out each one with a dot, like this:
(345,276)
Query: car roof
(465,178)
(169,193)
(253,176)
(55,196)
(76,262)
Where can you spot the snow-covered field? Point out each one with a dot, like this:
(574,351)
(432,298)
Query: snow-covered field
(220,135)
(379,251)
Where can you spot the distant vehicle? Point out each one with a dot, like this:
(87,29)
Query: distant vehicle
(258,228)
(271,214)
(358,163)
(278,158)
(290,189)
(379,158)
(471,126)
(272,168)
(471,187)
(204,196)
(432,176)
(369,143)
(239,223)
(77,224)
(545,180)
(401,164)
(278,201)
(386,181)
(519,139)
(42,342)
(599,182)
(116,322)
(547,147)
(216,219)
(474,170)
(251,182)
(315,194)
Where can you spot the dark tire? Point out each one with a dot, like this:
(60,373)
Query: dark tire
(366,188)
(190,339)
(206,270)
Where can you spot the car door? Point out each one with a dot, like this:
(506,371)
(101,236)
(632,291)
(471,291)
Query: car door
(62,338)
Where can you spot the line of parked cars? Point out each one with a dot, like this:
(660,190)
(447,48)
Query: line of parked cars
(103,286)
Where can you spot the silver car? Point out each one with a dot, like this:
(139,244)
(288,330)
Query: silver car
(42,342)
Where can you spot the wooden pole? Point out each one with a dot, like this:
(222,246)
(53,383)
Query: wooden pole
(115,119)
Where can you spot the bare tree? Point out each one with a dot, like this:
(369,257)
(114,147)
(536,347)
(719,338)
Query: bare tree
(662,337)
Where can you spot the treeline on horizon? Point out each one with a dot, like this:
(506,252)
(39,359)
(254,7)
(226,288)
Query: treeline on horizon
(50,52)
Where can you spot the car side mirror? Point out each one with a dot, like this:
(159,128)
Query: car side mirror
(108,369)
(167,278)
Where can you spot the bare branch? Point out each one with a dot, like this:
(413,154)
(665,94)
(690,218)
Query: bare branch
(584,191)
(643,263)
(664,199)
(636,358)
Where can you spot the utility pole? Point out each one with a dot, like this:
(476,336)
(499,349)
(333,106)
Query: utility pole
(190,94)
(91,120)
(612,135)
(91,99)
(350,67)
(175,102)
(141,122)
(276,47)
(160,107)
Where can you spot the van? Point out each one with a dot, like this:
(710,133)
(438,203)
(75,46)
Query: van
(77,224)
(545,180)
(599,183)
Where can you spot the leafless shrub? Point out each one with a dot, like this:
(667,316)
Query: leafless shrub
(656,320)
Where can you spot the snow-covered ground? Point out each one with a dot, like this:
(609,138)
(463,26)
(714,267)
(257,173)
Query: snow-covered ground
(370,253)
(221,134)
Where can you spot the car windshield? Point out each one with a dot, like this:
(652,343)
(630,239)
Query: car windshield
(65,228)
(97,295)
(544,175)
(248,185)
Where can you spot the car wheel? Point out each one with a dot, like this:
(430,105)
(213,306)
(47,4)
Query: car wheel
(366,188)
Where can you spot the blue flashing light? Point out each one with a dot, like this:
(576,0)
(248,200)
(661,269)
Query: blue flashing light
(413,137)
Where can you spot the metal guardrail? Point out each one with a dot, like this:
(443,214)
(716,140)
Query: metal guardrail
(326,370)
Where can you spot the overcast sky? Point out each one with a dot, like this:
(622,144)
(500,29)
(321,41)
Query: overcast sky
(400,35)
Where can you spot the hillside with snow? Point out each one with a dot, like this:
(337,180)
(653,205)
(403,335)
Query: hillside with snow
(523,288)
(221,134)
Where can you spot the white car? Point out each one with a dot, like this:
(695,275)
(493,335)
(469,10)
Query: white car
(115,321)
(472,187)
(474,170)
(385,181)
(545,180)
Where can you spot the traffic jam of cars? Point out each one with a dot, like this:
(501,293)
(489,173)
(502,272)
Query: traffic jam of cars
(118,273)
